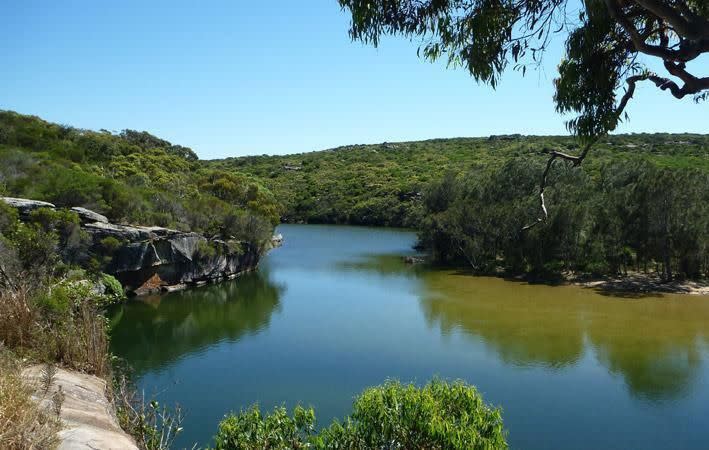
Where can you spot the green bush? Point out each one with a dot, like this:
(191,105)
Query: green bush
(205,249)
(36,247)
(439,415)
(65,295)
(278,431)
(113,289)
(110,244)
(8,218)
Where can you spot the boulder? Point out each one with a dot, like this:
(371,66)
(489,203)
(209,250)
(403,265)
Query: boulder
(86,215)
(25,206)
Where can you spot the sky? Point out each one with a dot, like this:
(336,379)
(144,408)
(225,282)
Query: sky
(232,78)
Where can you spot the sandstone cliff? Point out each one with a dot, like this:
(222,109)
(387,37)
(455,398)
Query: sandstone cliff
(149,259)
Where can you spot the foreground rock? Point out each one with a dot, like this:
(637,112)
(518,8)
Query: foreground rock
(151,259)
(88,417)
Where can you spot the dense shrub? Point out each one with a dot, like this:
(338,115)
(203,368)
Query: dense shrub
(439,415)
(250,429)
(113,291)
(634,216)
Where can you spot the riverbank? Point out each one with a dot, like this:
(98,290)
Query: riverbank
(644,284)
(632,283)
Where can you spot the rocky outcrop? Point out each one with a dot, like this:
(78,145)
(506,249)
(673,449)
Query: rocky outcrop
(89,421)
(154,258)
(87,216)
(150,259)
(25,206)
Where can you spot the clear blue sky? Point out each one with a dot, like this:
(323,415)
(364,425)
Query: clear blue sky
(232,78)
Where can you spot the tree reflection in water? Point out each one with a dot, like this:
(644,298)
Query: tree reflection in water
(654,343)
(155,331)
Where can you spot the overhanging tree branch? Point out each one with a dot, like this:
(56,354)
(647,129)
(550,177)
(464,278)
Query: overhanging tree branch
(577,160)
(691,27)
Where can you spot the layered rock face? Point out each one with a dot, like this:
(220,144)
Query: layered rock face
(154,258)
(150,259)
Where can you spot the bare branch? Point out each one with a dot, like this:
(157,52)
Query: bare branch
(577,160)
(687,51)
(695,28)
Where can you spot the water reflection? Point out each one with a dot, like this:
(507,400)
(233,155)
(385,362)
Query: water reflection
(385,265)
(510,318)
(354,314)
(155,331)
(654,344)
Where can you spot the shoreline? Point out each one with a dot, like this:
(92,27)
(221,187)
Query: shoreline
(642,284)
(633,283)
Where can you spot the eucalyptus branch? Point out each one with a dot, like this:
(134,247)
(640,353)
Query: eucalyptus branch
(578,159)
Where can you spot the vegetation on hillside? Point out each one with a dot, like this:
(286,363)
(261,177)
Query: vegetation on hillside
(130,177)
(383,184)
(640,203)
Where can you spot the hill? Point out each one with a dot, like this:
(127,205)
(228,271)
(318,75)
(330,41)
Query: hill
(130,177)
(383,184)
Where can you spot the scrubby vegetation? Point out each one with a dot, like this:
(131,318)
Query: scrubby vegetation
(439,415)
(50,307)
(50,312)
(130,177)
(383,184)
(638,204)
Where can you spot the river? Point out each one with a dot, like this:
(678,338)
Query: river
(336,310)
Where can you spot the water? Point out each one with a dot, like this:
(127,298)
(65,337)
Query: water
(335,310)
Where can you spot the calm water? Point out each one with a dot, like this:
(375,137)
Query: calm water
(334,311)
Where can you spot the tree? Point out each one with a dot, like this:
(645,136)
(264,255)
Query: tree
(604,40)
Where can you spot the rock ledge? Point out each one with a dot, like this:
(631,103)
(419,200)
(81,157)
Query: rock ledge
(89,419)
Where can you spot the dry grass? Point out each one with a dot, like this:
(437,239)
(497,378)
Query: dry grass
(78,342)
(75,338)
(18,318)
(23,423)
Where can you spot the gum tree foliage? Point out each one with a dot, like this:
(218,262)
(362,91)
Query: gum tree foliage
(604,42)
(437,416)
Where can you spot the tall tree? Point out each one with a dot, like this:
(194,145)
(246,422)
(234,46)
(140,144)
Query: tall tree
(600,69)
